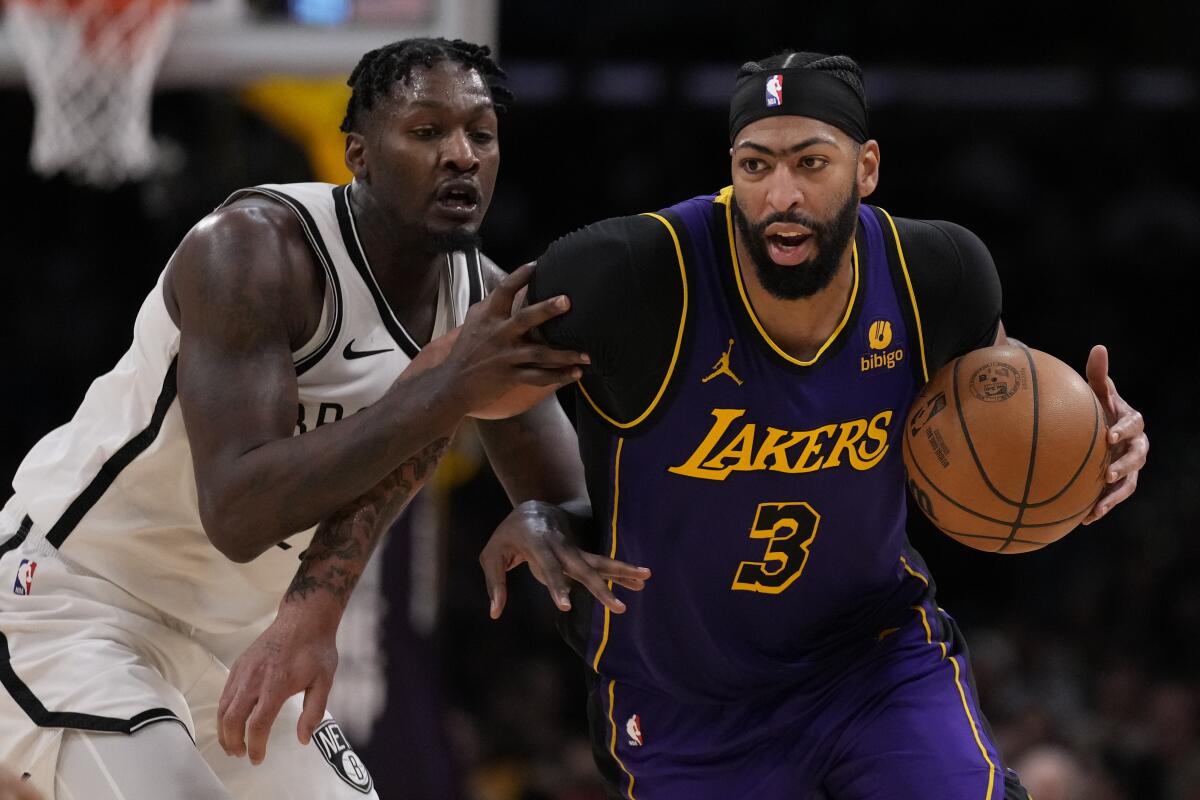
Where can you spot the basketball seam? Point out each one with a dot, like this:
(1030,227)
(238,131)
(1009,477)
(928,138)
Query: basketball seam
(947,497)
(1005,538)
(962,423)
(1086,458)
(1033,387)
(932,485)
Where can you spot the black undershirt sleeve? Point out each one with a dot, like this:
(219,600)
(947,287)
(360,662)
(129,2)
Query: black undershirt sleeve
(624,281)
(957,289)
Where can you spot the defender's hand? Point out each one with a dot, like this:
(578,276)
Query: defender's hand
(288,658)
(1127,441)
(494,353)
(534,533)
(14,788)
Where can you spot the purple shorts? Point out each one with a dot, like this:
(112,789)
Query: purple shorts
(903,724)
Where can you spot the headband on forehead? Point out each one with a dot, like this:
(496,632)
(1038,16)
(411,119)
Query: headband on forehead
(800,93)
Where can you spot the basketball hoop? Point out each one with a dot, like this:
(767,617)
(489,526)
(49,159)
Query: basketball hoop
(91,66)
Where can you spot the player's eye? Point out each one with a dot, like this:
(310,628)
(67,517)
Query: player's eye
(753,165)
(483,137)
(424,132)
(814,162)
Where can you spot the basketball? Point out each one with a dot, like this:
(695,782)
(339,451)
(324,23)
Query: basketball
(1005,449)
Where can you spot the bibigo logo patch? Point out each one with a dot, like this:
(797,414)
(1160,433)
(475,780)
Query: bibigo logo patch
(879,337)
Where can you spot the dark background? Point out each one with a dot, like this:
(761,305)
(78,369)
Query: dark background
(1065,138)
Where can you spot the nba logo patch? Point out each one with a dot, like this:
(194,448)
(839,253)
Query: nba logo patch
(633,729)
(775,91)
(345,762)
(24,582)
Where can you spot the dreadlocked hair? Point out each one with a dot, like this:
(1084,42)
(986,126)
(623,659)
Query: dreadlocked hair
(381,69)
(844,68)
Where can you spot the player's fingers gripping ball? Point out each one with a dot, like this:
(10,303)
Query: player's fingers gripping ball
(1005,449)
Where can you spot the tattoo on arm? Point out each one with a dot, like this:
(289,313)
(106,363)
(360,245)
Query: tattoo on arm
(343,543)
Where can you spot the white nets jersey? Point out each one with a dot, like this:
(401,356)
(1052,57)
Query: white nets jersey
(114,489)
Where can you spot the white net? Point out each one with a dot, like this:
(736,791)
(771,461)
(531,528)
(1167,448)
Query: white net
(91,66)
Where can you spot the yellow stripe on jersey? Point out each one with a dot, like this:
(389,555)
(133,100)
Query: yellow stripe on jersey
(975,730)
(912,297)
(612,553)
(913,572)
(962,693)
(726,198)
(928,630)
(678,342)
(612,744)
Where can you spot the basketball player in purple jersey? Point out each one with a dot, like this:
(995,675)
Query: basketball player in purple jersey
(739,428)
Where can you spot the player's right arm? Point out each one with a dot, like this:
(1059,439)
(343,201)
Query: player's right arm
(628,301)
(242,290)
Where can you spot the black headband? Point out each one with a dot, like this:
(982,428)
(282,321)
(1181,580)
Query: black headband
(800,93)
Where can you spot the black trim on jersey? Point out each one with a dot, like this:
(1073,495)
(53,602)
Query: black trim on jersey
(623,277)
(687,249)
(957,288)
(14,541)
(116,462)
(317,244)
(44,718)
(357,255)
(615,778)
(903,298)
(741,315)
(474,276)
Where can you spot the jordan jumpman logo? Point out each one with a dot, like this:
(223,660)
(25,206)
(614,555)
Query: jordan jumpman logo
(722,367)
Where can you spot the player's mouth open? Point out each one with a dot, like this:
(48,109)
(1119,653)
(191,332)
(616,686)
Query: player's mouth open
(790,247)
(458,199)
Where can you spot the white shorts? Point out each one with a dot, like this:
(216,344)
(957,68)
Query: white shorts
(78,652)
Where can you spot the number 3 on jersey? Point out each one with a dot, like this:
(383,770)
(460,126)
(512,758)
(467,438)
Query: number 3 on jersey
(789,529)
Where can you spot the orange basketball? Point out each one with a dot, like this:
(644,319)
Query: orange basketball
(1006,449)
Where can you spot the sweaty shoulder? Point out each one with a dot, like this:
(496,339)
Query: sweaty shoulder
(625,284)
(250,254)
(956,286)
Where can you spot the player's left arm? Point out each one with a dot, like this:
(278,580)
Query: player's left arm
(536,457)
(967,316)
(298,651)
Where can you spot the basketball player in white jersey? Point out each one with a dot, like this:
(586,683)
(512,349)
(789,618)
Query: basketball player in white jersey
(150,539)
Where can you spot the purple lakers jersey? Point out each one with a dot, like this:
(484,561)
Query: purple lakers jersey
(766,493)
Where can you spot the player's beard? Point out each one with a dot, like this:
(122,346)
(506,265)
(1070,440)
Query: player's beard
(791,282)
(452,240)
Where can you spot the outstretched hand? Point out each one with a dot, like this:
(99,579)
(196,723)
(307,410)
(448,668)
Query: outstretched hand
(534,533)
(1127,441)
(286,659)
